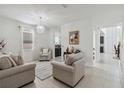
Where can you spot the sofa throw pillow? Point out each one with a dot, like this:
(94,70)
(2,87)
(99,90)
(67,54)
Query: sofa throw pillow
(18,59)
(5,63)
(71,58)
(12,61)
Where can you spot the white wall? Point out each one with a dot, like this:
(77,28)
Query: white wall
(86,36)
(122,42)
(96,43)
(87,26)
(54,31)
(41,40)
(112,36)
(9,31)
(103,20)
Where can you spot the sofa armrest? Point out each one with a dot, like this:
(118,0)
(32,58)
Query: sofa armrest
(17,69)
(49,54)
(41,52)
(62,65)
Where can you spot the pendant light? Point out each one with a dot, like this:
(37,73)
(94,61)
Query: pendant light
(40,28)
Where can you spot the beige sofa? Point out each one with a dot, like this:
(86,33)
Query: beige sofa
(71,71)
(17,76)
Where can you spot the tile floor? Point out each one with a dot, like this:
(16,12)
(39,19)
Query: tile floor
(106,73)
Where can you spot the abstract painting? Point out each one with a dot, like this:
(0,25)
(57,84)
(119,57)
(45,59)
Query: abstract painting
(74,37)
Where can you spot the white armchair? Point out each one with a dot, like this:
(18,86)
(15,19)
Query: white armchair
(45,54)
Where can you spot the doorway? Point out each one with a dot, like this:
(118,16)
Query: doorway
(57,44)
(106,43)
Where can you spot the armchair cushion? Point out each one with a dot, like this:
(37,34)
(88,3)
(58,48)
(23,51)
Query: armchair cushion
(45,51)
(45,54)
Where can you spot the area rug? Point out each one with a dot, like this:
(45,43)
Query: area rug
(43,70)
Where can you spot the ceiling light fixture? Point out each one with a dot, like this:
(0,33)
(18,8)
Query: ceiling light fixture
(40,27)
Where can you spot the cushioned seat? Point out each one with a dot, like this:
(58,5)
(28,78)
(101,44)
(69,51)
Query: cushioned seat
(45,54)
(71,71)
(15,75)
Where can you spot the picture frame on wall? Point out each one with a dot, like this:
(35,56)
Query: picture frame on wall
(74,37)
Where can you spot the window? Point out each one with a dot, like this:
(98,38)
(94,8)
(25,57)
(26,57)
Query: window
(27,40)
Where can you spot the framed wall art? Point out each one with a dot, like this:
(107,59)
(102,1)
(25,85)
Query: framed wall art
(74,37)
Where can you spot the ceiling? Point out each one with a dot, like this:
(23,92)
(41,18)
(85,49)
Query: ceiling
(55,14)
